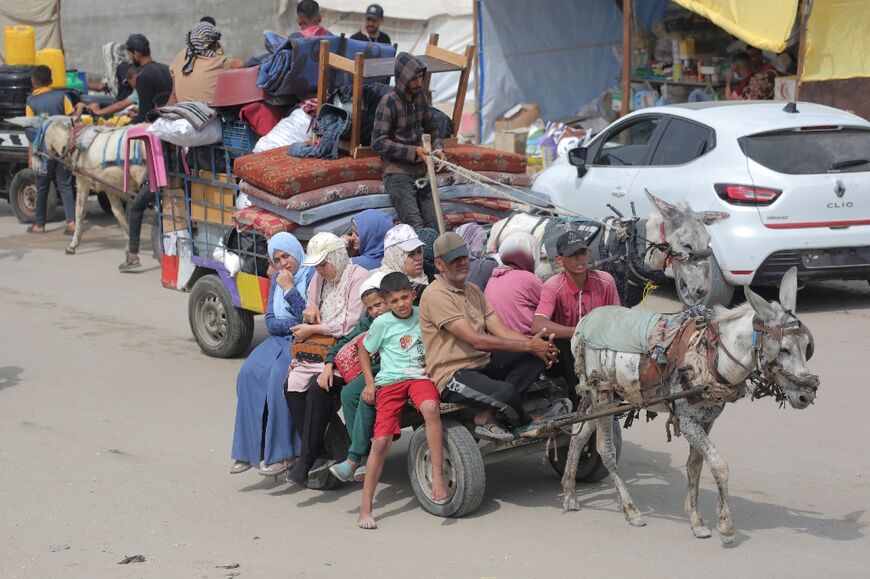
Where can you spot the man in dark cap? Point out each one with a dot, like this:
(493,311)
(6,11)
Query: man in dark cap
(472,356)
(154,83)
(570,295)
(372,32)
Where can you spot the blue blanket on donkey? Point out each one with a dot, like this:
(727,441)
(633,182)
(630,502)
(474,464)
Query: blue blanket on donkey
(619,329)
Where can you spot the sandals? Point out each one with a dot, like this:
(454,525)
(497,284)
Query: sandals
(558,407)
(130,263)
(343,471)
(275,469)
(493,430)
(33,229)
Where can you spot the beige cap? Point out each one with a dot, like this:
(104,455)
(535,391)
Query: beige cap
(450,246)
(320,245)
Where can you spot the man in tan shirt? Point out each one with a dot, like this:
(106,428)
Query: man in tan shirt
(472,356)
(195,69)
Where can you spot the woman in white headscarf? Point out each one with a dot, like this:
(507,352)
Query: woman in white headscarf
(514,290)
(403,252)
(334,308)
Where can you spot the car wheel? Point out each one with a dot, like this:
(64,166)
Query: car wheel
(221,329)
(719,291)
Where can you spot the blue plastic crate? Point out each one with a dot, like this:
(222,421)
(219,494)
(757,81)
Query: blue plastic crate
(239,138)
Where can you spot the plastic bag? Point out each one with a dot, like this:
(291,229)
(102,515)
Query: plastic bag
(180,132)
(291,129)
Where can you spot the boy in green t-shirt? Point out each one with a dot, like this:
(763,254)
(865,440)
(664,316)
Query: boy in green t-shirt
(396,335)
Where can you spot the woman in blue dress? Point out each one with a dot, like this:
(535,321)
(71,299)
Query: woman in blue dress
(264,430)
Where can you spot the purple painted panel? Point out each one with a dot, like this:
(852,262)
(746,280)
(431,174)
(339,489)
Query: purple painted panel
(229,281)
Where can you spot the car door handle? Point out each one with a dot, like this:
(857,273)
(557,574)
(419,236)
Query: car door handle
(618,192)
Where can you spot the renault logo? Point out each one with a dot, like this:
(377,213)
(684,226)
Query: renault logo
(839,188)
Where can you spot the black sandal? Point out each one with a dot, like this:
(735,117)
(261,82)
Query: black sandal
(492,430)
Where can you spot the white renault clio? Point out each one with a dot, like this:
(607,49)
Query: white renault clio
(795,178)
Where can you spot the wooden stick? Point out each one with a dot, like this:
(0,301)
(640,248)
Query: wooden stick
(322,74)
(802,46)
(626,57)
(433,182)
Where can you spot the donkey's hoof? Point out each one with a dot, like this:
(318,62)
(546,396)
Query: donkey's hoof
(727,539)
(702,532)
(637,521)
(571,503)
(70,250)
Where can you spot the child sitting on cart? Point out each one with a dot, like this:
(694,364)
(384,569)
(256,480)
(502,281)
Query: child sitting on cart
(402,376)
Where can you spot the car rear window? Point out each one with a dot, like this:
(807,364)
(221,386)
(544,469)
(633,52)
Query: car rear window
(811,151)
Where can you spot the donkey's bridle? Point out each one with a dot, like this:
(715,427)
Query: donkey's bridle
(787,325)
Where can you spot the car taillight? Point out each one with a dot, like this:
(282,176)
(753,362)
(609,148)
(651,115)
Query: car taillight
(746,194)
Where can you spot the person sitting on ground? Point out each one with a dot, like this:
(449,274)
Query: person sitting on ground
(402,377)
(131,100)
(366,239)
(514,290)
(334,308)
(308,18)
(403,252)
(263,429)
(472,355)
(44,101)
(359,416)
(481,266)
(154,82)
(372,31)
(402,117)
(195,68)
(570,295)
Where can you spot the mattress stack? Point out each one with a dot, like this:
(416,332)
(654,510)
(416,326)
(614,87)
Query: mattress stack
(310,195)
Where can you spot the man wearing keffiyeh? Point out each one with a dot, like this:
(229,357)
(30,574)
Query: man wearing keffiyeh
(195,68)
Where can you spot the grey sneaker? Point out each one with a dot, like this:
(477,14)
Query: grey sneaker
(130,263)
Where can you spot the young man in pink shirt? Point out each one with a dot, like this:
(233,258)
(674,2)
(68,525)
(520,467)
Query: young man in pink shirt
(570,295)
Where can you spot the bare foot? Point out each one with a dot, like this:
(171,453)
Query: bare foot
(439,492)
(367,521)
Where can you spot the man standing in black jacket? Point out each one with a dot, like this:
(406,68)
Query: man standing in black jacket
(372,32)
(154,83)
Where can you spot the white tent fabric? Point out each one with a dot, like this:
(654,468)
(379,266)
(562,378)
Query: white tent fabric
(40,14)
(403,8)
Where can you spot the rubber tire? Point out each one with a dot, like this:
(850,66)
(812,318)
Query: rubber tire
(22,197)
(237,325)
(720,293)
(337,442)
(469,476)
(591,468)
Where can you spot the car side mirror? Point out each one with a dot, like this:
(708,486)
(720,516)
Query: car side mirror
(577,158)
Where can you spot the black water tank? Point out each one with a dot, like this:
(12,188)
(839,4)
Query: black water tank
(15,87)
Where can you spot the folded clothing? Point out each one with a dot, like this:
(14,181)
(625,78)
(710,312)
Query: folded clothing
(265,222)
(198,114)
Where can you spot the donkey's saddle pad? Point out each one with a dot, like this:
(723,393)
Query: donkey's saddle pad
(619,329)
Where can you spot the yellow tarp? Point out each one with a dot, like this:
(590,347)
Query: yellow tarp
(765,24)
(837,40)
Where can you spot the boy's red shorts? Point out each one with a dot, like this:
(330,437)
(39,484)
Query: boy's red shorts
(391,401)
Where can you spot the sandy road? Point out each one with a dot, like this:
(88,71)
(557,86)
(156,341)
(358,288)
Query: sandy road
(115,434)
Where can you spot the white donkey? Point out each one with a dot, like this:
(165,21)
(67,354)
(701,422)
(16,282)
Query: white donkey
(758,338)
(98,167)
(632,251)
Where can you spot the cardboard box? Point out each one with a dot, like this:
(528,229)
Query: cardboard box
(173,210)
(519,117)
(213,203)
(512,140)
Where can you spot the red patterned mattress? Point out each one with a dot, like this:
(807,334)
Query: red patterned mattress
(262,221)
(315,197)
(283,176)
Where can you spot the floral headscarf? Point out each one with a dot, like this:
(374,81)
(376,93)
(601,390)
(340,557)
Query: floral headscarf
(475,239)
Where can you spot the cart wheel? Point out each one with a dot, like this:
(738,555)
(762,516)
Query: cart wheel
(221,329)
(590,469)
(464,474)
(22,197)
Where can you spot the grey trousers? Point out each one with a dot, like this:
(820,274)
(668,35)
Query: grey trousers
(413,205)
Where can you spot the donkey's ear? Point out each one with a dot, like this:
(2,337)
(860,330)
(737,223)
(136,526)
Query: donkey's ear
(788,290)
(764,310)
(666,209)
(711,217)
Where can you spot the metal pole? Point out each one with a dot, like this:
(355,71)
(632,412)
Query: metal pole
(433,182)
(626,55)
